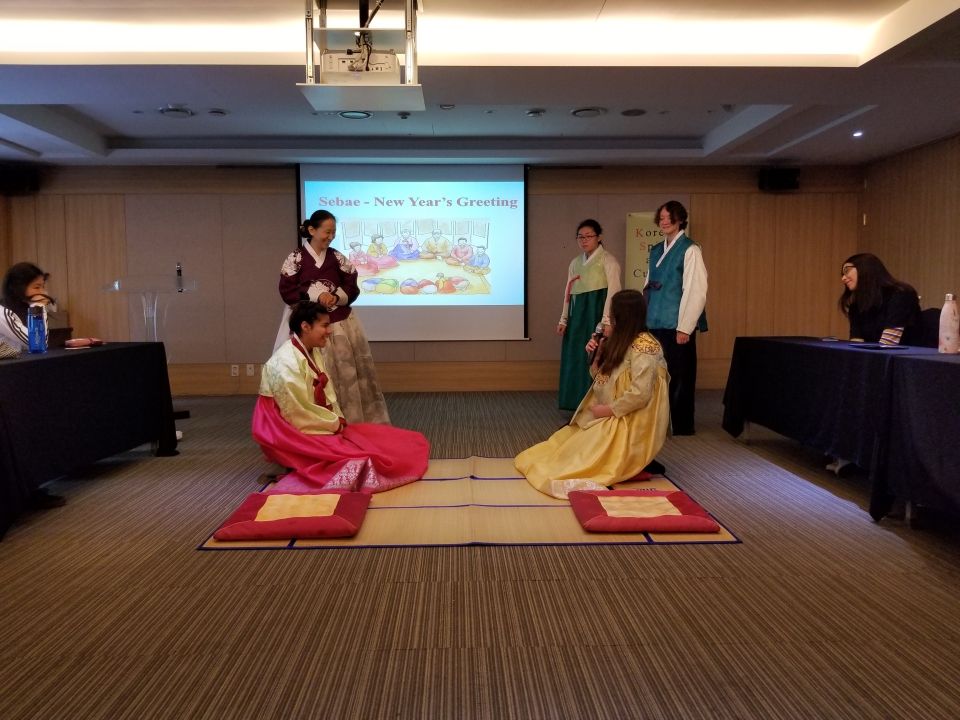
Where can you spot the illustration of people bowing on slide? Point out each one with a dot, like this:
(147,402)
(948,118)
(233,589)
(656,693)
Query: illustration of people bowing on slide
(378,253)
(407,247)
(461,253)
(364,264)
(479,264)
(435,246)
(420,258)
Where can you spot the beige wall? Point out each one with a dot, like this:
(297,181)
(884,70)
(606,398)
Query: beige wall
(912,207)
(772,261)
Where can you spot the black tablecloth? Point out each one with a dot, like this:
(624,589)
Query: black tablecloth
(884,409)
(67,408)
(827,395)
(923,444)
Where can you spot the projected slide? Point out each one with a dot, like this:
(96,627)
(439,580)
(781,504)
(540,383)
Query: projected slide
(439,250)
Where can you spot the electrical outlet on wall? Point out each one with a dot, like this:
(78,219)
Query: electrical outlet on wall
(234,371)
(251,368)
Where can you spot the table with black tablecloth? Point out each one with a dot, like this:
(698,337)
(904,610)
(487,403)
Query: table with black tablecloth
(65,409)
(922,455)
(857,403)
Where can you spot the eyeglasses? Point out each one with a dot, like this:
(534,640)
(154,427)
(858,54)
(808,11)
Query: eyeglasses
(586,237)
(846,269)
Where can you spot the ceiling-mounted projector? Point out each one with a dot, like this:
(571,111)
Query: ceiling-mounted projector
(351,68)
(371,77)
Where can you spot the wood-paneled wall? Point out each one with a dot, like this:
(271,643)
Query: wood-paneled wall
(912,208)
(772,259)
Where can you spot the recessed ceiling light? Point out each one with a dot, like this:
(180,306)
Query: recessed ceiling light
(447,106)
(535,112)
(176,111)
(633,112)
(218,112)
(354,114)
(858,133)
(588,112)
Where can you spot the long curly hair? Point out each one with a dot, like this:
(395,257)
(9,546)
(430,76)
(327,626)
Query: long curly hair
(628,314)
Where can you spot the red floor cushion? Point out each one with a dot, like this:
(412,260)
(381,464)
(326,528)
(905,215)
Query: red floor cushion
(278,516)
(624,511)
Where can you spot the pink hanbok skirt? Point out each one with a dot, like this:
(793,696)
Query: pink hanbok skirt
(364,457)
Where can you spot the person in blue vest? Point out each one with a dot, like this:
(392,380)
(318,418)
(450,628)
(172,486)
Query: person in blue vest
(676,292)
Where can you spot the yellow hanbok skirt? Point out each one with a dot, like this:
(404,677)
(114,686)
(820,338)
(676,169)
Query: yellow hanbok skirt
(591,452)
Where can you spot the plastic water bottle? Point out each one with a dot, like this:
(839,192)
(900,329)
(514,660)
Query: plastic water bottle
(36,329)
(949,326)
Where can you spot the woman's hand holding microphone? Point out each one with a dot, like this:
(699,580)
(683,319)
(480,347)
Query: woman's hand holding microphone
(593,344)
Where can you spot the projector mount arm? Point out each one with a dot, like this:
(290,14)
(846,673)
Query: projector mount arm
(364,42)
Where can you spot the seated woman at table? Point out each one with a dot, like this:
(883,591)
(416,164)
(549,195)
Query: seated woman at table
(622,421)
(299,424)
(880,308)
(24,284)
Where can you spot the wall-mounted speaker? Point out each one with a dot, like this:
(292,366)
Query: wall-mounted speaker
(778,179)
(19,179)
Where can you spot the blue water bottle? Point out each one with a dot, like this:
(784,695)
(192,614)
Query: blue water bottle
(36,329)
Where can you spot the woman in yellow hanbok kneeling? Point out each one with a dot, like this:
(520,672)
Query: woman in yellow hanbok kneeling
(622,421)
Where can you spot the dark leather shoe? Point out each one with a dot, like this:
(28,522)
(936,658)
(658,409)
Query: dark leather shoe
(655,468)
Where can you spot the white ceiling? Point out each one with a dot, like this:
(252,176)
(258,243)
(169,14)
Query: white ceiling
(751,82)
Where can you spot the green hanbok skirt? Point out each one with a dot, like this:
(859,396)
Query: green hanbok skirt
(583,315)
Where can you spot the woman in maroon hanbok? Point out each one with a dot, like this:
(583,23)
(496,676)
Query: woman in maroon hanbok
(320,273)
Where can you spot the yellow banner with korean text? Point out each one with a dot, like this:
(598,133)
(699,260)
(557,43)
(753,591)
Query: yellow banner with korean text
(642,234)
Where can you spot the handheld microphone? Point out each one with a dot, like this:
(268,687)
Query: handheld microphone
(598,338)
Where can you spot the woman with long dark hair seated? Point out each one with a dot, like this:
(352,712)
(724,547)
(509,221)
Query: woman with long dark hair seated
(880,308)
(299,424)
(23,285)
(622,421)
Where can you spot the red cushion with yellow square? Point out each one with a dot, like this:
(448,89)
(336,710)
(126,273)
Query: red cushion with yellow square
(279,516)
(624,511)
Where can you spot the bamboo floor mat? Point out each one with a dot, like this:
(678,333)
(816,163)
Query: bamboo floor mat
(477,501)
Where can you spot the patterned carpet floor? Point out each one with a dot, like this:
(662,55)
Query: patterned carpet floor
(109,611)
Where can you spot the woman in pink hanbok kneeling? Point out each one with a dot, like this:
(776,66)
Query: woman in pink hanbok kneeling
(298,423)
